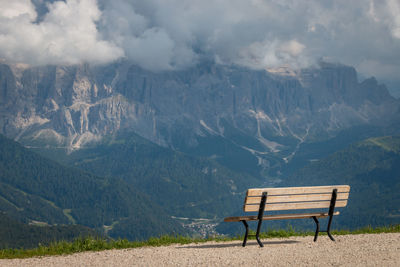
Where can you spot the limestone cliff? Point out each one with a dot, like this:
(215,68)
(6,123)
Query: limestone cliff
(71,106)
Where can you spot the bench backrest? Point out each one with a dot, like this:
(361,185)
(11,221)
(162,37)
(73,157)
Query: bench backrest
(292,198)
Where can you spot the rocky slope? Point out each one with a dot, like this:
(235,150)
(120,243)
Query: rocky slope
(257,112)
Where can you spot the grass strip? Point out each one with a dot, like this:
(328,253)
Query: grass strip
(98,244)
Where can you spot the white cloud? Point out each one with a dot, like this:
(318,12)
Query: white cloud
(169,34)
(15,8)
(272,54)
(394,20)
(293,48)
(66,35)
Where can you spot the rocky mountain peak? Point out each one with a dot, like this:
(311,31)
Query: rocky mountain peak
(74,105)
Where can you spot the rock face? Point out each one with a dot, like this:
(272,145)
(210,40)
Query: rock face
(259,111)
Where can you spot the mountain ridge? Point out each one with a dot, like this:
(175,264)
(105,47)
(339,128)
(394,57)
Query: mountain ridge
(184,185)
(259,114)
(35,189)
(372,169)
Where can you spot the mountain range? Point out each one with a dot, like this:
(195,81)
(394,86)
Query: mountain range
(134,153)
(229,113)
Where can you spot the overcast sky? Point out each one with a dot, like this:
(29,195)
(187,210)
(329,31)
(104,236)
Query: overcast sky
(174,34)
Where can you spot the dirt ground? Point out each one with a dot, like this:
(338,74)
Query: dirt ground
(348,250)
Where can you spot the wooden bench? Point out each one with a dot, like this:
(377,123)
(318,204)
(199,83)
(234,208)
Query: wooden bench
(292,198)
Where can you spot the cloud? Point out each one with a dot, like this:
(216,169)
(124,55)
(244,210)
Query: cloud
(147,43)
(175,34)
(388,14)
(272,54)
(12,9)
(168,34)
(66,35)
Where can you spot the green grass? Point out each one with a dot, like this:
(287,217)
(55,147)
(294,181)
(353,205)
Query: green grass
(97,244)
(94,244)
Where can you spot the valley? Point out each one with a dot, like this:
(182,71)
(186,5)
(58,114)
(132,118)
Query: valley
(131,153)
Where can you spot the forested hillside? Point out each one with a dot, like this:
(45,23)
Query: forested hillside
(183,185)
(35,189)
(14,234)
(372,169)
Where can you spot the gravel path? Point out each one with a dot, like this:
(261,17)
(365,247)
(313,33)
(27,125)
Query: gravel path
(349,250)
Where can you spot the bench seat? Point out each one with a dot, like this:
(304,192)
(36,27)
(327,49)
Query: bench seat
(280,216)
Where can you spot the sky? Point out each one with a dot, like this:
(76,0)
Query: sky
(176,34)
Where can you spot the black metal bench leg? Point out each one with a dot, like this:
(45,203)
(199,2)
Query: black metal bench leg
(258,233)
(260,217)
(331,210)
(246,234)
(331,237)
(329,228)
(317,228)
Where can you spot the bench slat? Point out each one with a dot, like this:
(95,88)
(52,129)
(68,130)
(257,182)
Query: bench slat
(280,216)
(295,206)
(298,190)
(296,198)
